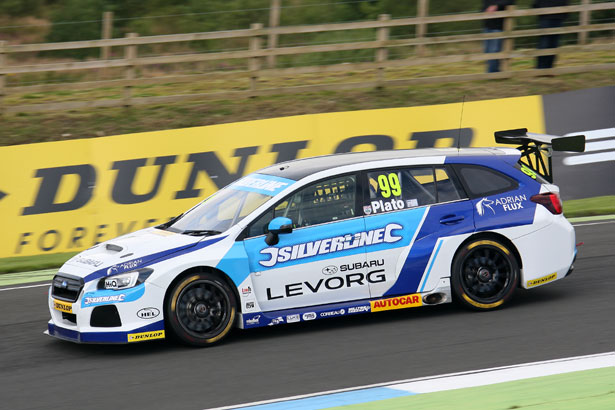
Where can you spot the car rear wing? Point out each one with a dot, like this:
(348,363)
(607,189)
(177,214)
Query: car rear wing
(536,147)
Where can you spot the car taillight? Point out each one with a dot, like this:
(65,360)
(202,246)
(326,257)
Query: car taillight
(550,200)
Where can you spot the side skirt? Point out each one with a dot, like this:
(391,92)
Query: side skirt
(438,296)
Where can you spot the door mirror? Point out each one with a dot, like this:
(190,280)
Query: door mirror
(278,226)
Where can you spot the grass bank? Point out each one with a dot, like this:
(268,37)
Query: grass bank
(603,205)
(600,205)
(86,123)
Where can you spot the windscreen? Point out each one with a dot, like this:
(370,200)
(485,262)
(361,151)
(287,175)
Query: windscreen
(230,205)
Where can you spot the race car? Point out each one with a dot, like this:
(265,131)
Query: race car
(329,236)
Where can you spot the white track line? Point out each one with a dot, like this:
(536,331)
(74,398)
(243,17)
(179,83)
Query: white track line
(26,287)
(556,366)
(594,223)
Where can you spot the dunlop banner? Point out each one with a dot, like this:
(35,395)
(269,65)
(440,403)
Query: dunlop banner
(69,195)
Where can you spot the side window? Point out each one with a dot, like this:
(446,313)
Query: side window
(482,181)
(325,201)
(396,189)
(448,188)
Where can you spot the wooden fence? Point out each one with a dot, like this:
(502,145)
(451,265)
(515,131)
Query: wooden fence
(261,60)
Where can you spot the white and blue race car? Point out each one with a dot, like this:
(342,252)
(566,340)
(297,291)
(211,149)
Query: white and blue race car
(327,237)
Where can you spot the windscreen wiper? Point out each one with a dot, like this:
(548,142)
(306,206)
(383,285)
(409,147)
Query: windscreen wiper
(169,223)
(201,232)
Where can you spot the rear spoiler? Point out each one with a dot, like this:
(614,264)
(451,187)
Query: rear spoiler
(535,147)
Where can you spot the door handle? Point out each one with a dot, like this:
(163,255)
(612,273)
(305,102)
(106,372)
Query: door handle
(451,219)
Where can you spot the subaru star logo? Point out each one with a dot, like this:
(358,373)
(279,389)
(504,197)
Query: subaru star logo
(64,284)
(329,270)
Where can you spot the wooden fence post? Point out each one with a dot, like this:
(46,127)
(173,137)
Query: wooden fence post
(130,54)
(2,76)
(421,28)
(254,64)
(106,33)
(382,53)
(107,29)
(274,21)
(509,43)
(584,19)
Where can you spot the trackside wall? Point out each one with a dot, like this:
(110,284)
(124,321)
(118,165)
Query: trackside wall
(69,195)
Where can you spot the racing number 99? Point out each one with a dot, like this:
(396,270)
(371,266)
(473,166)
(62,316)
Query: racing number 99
(389,184)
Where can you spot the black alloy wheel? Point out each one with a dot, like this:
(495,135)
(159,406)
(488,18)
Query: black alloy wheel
(201,309)
(485,274)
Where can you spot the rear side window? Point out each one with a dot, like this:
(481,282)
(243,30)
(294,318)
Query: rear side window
(448,188)
(482,181)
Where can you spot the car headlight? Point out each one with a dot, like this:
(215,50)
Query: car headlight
(125,280)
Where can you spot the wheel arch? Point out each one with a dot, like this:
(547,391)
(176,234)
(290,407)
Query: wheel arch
(490,235)
(203,269)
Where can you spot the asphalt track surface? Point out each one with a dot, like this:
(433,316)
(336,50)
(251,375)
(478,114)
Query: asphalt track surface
(570,317)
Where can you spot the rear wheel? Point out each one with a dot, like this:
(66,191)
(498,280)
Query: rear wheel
(201,309)
(485,274)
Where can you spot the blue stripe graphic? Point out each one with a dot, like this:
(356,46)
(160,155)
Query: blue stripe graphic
(431,264)
(151,259)
(335,399)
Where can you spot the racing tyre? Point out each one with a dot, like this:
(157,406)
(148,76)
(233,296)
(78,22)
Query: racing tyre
(485,274)
(201,309)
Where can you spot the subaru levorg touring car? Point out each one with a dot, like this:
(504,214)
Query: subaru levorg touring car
(326,237)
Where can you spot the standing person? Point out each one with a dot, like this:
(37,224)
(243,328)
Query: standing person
(494,45)
(549,21)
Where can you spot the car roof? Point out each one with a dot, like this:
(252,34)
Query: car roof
(300,168)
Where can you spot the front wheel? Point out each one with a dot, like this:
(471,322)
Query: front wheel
(485,274)
(201,309)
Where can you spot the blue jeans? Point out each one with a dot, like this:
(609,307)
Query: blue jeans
(493,46)
(549,41)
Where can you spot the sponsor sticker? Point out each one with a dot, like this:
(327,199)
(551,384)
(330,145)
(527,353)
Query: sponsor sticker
(293,318)
(263,184)
(399,302)
(511,203)
(386,234)
(309,316)
(139,337)
(104,299)
(63,306)
(331,313)
(412,203)
(148,313)
(249,305)
(254,321)
(123,267)
(276,321)
(367,210)
(358,309)
(542,280)
(88,261)
(506,204)
(246,291)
